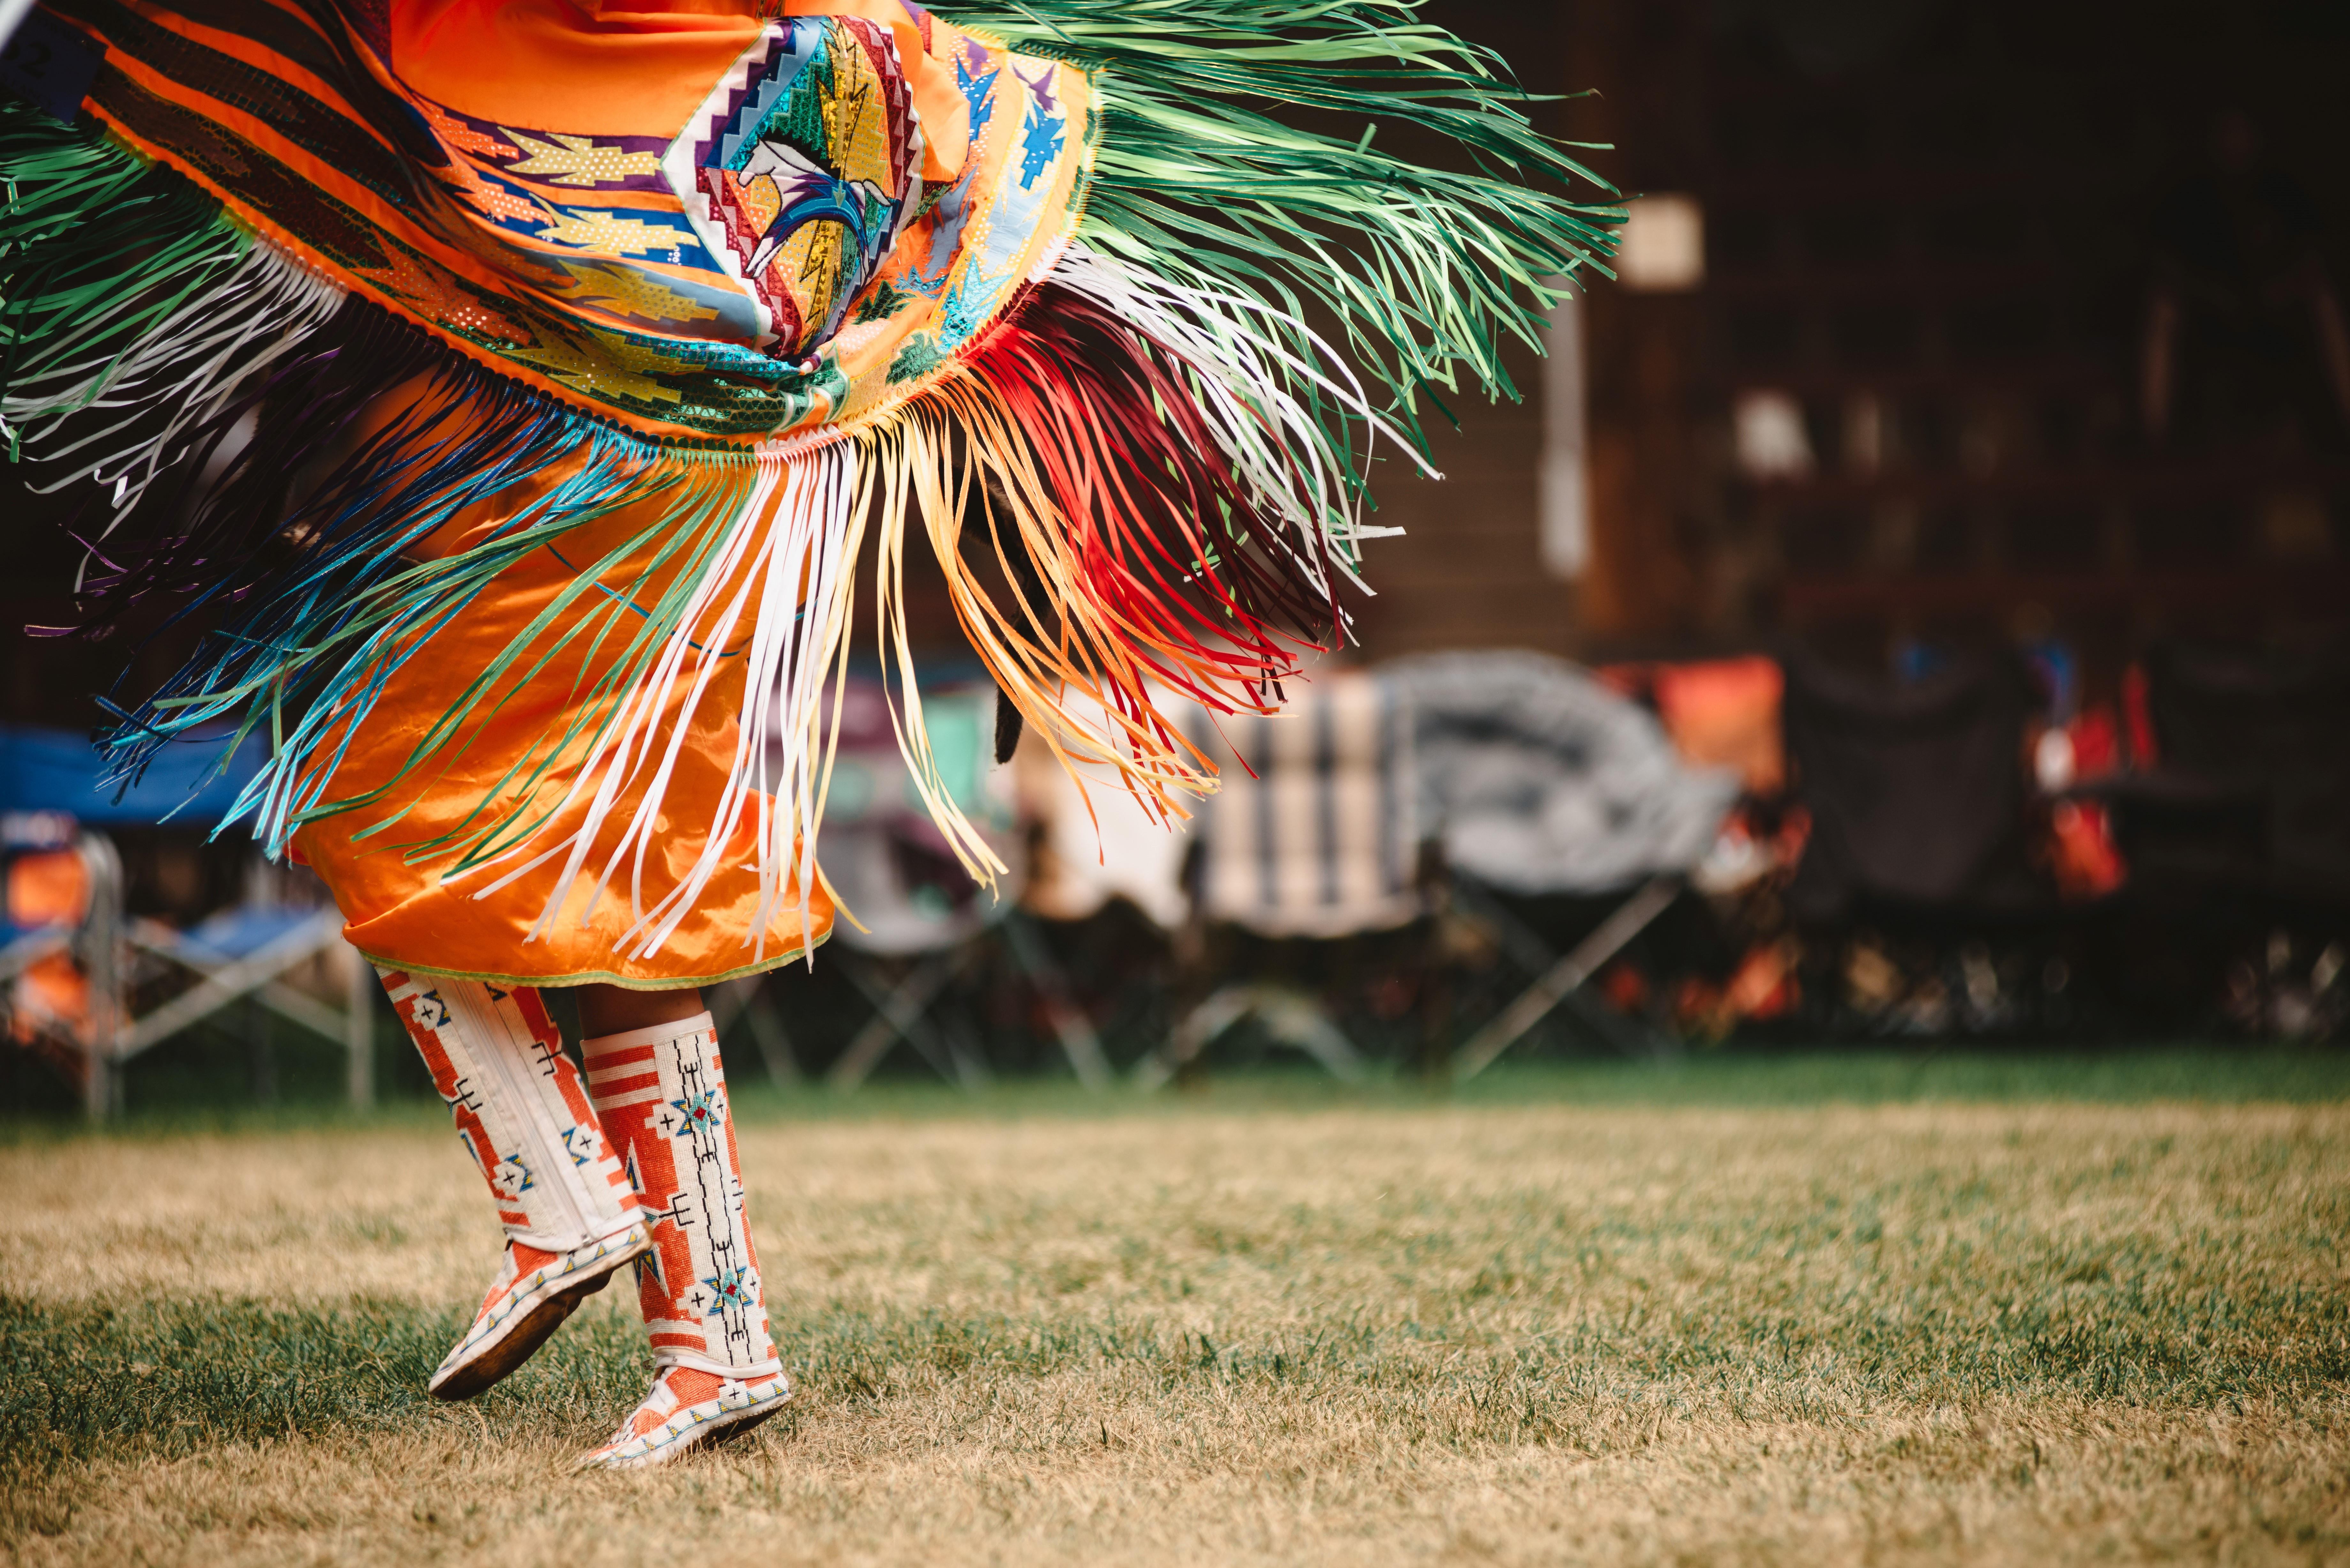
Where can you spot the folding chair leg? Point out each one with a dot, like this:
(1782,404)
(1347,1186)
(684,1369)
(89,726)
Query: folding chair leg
(1076,1031)
(1631,918)
(1301,1021)
(360,989)
(231,981)
(1294,1018)
(773,1040)
(1193,1033)
(897,1013)
(101,956)
(102,1085)
(964,1052)
(1625,1036)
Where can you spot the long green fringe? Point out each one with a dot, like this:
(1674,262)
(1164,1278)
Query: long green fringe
(100,250)
(95,250)
(1430,271)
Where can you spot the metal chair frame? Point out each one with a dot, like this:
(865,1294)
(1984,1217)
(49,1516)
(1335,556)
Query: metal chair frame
(117,951)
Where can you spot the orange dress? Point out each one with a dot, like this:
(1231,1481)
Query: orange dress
(610,70)
(386,862)
(708,292)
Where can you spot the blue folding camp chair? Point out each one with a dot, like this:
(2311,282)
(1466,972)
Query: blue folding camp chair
(52,801)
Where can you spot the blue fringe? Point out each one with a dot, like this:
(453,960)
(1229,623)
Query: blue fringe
(319,639)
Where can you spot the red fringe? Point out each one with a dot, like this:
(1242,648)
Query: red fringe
(1167,536)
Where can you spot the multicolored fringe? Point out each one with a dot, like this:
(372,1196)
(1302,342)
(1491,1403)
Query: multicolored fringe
(1148,476)
(1428,271)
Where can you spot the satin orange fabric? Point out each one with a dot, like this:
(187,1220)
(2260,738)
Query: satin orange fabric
(404,915)
(633,67)
(638,69)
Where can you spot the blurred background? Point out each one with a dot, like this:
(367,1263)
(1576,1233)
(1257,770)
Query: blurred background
(1908,603)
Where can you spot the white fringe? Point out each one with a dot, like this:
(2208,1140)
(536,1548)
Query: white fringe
(1242,374)
(193,363)
(789,555)
(785,572)
(782,572)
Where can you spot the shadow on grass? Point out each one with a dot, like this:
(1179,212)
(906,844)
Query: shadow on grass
(166,1380)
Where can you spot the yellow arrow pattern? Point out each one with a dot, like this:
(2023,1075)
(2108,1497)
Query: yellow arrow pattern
(566,160)
(608,232)
(631,293)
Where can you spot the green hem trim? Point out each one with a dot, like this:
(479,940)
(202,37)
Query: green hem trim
(564,981)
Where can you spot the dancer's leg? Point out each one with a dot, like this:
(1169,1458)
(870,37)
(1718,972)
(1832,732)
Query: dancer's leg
(616,1009)
(661,1090)
(570,1216)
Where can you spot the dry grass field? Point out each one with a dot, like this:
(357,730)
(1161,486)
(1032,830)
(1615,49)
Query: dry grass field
(1233,1330)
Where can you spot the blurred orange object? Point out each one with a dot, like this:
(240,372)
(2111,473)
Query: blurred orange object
(52,995)
(1765,984)
(1625,987)
(2082,852)
(1725,714)
(51,888)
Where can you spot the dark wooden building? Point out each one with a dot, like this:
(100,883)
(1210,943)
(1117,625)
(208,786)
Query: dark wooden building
(1909,401)
(1905,401)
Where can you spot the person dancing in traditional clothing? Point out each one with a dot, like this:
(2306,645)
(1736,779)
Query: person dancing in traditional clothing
(507,391)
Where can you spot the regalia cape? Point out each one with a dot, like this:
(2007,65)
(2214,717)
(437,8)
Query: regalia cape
(507,391)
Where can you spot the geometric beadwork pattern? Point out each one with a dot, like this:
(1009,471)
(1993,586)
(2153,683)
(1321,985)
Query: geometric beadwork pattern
(521,1111)
(662,1094)
(778,264)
